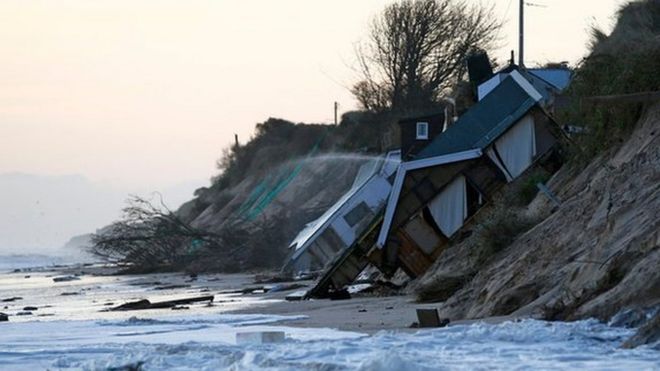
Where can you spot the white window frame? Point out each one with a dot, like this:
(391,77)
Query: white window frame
(422,124)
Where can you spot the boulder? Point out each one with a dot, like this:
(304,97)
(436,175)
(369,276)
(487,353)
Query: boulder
(4,317)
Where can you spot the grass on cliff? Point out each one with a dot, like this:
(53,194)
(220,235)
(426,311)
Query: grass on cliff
(625,62)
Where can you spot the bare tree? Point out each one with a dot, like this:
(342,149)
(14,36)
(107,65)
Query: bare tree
(417,49)
(150,237)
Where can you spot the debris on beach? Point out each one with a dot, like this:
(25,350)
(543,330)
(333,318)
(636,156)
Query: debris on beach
(128,367)
(283,287)
(66,279)
(171,287)
(146,304)
(264,289)
(429,318)
(296,296)
(15,298)
(342,294)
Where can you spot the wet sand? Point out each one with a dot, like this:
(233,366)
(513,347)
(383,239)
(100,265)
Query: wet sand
(98,286)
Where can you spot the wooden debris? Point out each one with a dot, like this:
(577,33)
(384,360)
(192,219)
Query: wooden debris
(296,296)
(146,304)
(171,287)
(66,279)
(430,318)
(12,299)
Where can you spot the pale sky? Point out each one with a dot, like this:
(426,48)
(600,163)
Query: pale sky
(146,93)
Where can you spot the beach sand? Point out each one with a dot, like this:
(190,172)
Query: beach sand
(98,286)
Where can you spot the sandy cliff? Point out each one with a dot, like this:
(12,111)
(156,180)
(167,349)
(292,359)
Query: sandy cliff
(594,255)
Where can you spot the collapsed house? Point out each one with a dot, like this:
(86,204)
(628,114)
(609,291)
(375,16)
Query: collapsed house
(448,181)
(346,221)
(449,171)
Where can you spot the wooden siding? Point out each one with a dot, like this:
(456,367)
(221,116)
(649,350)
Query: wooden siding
(411,258)
(347,265)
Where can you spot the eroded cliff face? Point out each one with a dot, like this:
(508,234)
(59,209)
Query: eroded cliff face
(270,209)
(592,256)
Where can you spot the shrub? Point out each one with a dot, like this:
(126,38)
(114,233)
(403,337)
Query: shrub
(625,62)
(500,230)
(527,188)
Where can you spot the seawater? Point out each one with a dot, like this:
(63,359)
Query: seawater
(79,336)
(208,343)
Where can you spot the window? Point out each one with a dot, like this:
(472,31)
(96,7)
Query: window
(422,130)
(357,214)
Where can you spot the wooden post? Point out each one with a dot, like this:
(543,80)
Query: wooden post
(336,108)
(521,34)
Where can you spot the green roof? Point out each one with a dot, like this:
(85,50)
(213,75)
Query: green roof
(484,122)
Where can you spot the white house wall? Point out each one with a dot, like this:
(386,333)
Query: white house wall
(393,198)
(517,146)
(374,194)
(449,208)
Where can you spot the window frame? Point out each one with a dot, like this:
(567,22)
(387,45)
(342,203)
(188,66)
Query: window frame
(419,125)
(357,214)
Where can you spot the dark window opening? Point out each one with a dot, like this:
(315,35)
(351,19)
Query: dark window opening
(474,199)
(357,214)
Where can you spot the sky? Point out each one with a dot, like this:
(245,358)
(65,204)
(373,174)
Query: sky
(145,94)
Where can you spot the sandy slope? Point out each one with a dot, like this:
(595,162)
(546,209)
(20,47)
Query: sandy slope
(598,253)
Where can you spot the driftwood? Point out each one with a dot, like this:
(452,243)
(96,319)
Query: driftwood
(8,300)
(146,304)
(171,287)
(66,279)
(264,289)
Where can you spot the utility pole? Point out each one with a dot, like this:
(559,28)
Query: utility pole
(336,108)
(521,35)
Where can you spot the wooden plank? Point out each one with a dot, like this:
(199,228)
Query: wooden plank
(415,260)
(348,263)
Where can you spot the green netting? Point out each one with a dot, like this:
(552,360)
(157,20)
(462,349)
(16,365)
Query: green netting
(269,188)
(195,245)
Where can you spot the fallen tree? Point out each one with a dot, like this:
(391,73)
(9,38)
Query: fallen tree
(154,238)
(150,237)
